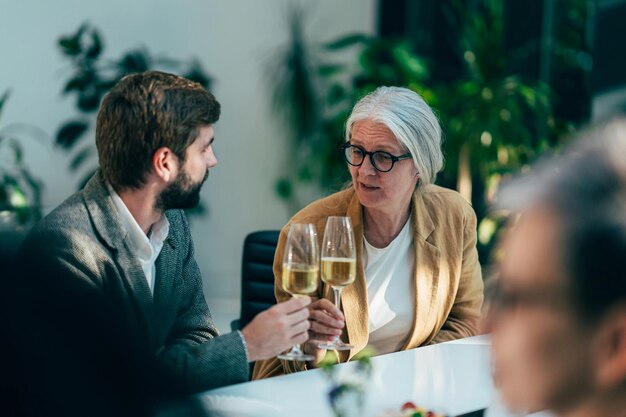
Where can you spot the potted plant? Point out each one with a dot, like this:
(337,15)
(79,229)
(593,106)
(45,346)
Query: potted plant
(20,191)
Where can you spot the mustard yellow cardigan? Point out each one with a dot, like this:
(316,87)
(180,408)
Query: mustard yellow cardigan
(448,282)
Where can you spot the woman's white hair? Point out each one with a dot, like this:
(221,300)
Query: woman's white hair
(411,121)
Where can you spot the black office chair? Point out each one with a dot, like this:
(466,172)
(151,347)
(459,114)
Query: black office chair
(257,276)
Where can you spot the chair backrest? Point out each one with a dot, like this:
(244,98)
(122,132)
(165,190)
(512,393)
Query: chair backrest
(257,276)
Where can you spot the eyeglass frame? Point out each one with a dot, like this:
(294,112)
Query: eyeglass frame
(393,158)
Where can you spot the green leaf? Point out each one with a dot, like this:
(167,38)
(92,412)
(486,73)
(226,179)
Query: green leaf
(70,44)
(4,197)
(469,88)
(486,230)
(105,85)
(347,41)
(330,359)
(18,198)
(35,191)
(134,61)
(365,354)
(196,73)
(81,157)
(96,46)
(305,174)
(284,188)
(88,102)
(80,82)
(17,151)
(3,99)
(330,69)
(336,94)
(70,132)
(410,63)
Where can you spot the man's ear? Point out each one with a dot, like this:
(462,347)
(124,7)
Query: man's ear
(609,350)
(165,164)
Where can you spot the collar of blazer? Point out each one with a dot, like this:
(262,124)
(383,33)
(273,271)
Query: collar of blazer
(103,214)
(426,278)
(155,306)
(109,227)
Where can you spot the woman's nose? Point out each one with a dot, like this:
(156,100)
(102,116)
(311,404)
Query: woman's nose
(366,167)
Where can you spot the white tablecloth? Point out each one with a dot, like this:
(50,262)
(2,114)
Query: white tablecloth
(450,378)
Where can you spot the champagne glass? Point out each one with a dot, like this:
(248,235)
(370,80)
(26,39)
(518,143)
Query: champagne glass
(300,272)
(338,264)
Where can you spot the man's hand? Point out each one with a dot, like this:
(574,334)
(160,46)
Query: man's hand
(278,328)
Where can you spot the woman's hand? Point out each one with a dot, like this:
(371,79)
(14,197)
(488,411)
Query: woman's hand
(327,322)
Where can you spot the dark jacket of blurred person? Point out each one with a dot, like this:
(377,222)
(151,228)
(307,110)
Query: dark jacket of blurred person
(558,314)
(67,350)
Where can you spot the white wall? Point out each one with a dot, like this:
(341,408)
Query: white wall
(234,39)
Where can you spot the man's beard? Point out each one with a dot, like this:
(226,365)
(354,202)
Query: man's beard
(181,194)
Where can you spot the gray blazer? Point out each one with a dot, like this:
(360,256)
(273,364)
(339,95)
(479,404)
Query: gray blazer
(84,239)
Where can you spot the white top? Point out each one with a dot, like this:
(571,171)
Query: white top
(390,291)
(147,248)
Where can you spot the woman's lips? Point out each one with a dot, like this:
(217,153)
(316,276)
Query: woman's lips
(369,187)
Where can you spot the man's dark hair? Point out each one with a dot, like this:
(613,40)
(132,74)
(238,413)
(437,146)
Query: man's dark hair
(144,112)
(586,188)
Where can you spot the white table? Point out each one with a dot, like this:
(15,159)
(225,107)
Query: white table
(451,378)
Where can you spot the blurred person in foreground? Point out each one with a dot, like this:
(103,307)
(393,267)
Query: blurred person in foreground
(70,352)
(418,279)
(558,316)
(126,238)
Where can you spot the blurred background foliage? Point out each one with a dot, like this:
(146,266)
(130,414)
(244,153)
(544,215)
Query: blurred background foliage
(508,80)
(91,76)
(505,93)
(20,191)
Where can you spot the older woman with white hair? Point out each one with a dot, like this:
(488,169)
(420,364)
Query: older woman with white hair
(418,279)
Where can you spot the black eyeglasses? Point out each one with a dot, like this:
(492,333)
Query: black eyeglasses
(382,161)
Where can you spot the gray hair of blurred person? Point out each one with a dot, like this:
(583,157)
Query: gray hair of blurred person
(585,186)
(412,122)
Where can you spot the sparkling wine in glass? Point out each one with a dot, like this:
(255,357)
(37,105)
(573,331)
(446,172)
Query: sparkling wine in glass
(300,272)
(338,264)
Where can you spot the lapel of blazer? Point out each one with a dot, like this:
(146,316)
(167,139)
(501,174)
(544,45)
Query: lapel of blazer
(426,273)
(426,279)
(356,312)
(166,273)
(108,225)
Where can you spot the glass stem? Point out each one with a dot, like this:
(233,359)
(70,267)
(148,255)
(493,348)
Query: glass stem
(337,291)
(296,350)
